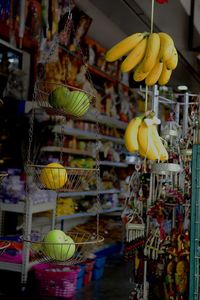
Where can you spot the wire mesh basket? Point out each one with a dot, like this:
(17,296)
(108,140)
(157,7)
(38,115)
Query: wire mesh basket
(166,168)
(3,246)
(61,99)
(186,153)
(62,178)
(75,249)
(2,176)
(135,228)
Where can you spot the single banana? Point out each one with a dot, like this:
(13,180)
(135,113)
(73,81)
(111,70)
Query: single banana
(165,75)
(166,46)
(172,62)
(138,74)
(152,51)
(130,137)
(124,46)
(146,143)
(135,56)
(154,74)
(162,152)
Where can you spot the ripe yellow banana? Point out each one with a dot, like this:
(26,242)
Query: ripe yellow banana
(162,152)
(146,143)
(124,46)
(172,62)
(130,138)
(154,74)
(165,75)
(152,51)
(166,46)
(135,56)
(138,74)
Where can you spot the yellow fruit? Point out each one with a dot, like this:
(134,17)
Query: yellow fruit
(124,46)
(131,133)
(165,75)
(152,51)
(154,74)
(134,57)
(172,62)
(162,152)
(146,143)
(53,176)
(166,46)
(138,74)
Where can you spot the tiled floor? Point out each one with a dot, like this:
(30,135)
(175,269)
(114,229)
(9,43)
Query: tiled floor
(115,284)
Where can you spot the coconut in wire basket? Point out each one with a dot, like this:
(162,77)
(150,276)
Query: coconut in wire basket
(55,176)
(56,246)
(62,99)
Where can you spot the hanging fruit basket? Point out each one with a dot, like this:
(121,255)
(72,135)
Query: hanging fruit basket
(3,246)
(62,99)
(2,176)
(53,177)
(75,249)
(166,168)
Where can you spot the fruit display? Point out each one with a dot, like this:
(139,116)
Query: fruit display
(53,176)
(75,103)
(142,136)
(58,245)
(151,56)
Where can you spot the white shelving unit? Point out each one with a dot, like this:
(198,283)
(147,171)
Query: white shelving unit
(89,193)
(86,135)
(27,210)
(105,120)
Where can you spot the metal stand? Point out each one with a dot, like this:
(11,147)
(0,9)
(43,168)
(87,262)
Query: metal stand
(195,226)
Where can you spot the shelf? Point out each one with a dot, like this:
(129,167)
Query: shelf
(89,214)
(86,135)
(20,207)
(95,69)
(9,266)
(113,164)
(66,150)
(105,120)
(89,193)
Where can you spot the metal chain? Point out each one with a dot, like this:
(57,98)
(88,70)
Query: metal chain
(62,143)
(98,180)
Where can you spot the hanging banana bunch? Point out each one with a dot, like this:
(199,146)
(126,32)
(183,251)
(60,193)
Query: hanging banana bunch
(151,56)
(142,136)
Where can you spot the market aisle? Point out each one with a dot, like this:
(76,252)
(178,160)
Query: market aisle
(115,284)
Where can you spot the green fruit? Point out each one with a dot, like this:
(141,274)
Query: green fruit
(79,103)
(58,245)
(59,97)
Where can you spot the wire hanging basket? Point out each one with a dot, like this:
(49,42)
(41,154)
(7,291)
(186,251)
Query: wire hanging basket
(62,99)
(3,246)
(2,176)
(70,252)
(61,178)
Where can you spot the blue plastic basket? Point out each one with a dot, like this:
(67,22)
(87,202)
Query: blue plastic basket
(100,261)
(80,277)
(97,273)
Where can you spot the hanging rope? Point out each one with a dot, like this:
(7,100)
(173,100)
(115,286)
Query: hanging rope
(152,14)
(151,31)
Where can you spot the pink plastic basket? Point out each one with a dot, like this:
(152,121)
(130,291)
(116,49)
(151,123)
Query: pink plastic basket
(56,280)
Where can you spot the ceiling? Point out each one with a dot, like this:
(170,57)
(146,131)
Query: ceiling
(113,20)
